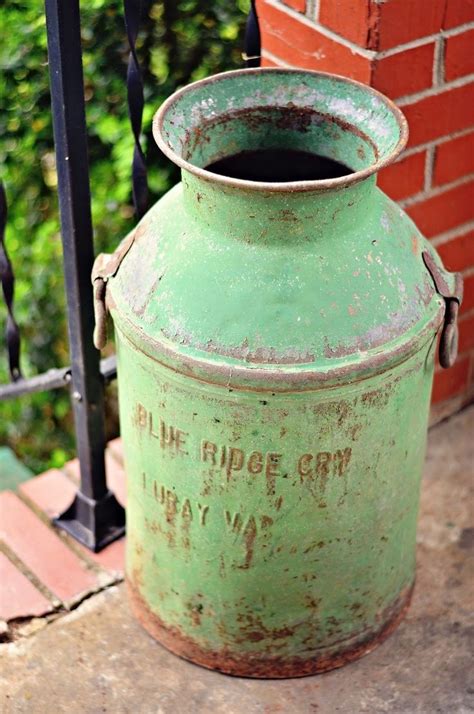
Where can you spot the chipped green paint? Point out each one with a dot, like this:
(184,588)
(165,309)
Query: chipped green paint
(275,353)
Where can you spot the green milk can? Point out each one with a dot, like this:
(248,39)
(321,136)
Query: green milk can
(276,320)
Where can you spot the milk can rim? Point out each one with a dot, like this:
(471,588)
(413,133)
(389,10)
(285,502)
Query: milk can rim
(287,186)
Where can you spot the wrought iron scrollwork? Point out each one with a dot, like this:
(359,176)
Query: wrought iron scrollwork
(252,54)
(7,280)
(132,12)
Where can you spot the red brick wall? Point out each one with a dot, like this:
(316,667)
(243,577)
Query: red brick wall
(421,54)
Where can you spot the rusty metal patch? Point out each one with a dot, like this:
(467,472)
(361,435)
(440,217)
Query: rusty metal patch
(450,287)
(105,267)
(272,667)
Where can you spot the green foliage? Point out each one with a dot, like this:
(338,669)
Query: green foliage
(181,41)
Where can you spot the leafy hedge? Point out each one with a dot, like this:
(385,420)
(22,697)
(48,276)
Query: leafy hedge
(181,41)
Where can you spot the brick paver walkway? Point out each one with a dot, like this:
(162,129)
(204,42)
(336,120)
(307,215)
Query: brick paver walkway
(42,570)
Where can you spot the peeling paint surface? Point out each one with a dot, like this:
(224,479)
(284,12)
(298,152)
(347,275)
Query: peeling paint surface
(271,535)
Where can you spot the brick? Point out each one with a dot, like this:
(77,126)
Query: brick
(112,558)
(468,299)
(458,252)
(350,18)
(116,478)
(466,333)
(458,12)
(267,62)
(404,178)
(459,55)
(440,114)
(51,561)
(116,447)
(19,597)
(73,470)
(454,159)
(114,470)
(298,5)
(405,72)
(302,45)
(450,382)
(402,21)
(444,211)
(52,492)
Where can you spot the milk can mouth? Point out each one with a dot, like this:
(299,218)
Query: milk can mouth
(276,111)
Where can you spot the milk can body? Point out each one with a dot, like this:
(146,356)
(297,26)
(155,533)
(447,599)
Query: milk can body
(275,347)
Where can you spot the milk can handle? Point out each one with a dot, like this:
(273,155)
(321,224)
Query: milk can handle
(106,266)
(450,287)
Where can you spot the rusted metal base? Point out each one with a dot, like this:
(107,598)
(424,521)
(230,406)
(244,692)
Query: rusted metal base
(270,667)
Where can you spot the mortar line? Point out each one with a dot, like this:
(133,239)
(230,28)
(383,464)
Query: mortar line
(420,41)
(436,191)
(457,232)
(277,60)
(355,49)
(370,54)
(438,62)
(9,553)
(468,272)
(312,9)
(434,91)
(436,142)
(429,168)
(463,317)
(73,546)
(313,6)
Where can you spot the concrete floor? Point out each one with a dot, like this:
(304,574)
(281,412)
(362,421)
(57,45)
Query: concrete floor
(97,659)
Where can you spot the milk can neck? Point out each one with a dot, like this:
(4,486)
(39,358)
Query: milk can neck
(267,217)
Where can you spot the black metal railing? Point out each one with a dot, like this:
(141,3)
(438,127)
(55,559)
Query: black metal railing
(95,518)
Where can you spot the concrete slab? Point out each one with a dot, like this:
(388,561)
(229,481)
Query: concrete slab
(97,658)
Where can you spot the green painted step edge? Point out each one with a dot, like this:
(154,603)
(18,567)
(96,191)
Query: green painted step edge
(12,471)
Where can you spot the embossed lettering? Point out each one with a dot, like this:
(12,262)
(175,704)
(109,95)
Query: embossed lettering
(343,458)
(323,459)
(255,463)
(202,514)
(223,455)
(186,511)
(172,437)
(249,536)
(174,506)
(159,492)
(311,466)
(304,465)
(208,450)
(235,461)
(152,433)
(234,522)
(271,471)
(171,506)
(141,415)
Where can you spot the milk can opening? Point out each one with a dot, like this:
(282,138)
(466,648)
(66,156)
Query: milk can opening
(271,127)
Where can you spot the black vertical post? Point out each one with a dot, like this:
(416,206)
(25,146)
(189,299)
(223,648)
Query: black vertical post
(95,518)
(252,40)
